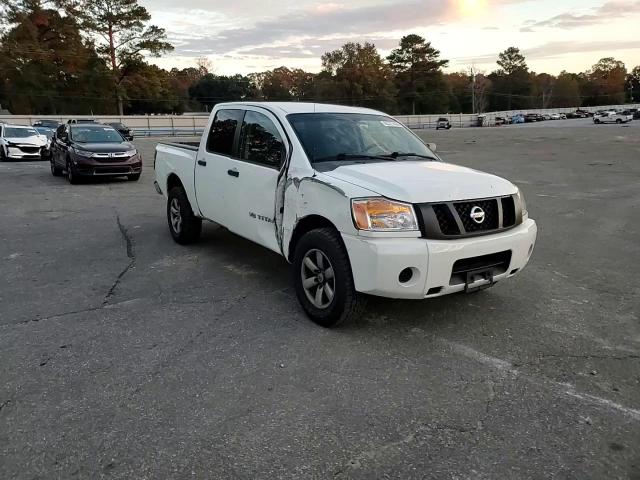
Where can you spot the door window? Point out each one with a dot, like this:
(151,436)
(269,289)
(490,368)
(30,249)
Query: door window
(260,141)
(223,131)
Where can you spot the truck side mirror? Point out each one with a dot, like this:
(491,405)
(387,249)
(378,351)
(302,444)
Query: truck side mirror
(433,147)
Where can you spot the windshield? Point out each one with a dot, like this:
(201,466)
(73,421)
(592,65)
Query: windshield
(91,134)
(45,131)
(346,136)
(10,132)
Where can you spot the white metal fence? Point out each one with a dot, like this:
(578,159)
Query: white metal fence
(194,125)
(141,125)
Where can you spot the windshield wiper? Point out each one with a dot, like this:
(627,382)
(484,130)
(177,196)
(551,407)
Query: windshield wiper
(352,156)
(396,155)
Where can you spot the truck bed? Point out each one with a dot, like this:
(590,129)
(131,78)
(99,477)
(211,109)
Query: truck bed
(178,159)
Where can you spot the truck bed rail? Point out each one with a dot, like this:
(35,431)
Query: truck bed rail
(184,145)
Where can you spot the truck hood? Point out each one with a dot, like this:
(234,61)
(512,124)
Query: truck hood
(423,182)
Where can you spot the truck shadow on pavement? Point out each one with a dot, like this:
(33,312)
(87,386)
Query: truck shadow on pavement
(266,271)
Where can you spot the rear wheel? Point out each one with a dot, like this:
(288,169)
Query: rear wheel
(618,121)
(323,280)
(184,226)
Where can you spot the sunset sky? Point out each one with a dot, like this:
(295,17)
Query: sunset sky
(244,36)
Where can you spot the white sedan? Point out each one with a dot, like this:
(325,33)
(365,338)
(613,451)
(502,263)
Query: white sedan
(18,142)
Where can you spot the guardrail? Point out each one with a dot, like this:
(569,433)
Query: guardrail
(194,125)
(141,125)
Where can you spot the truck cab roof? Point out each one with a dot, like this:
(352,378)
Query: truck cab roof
(287,108)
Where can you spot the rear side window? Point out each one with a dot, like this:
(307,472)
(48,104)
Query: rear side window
(223,131)
(260,141)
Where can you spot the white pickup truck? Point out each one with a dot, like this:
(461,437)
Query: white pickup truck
(612,117)
(349,196)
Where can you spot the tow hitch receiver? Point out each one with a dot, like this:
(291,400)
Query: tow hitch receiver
(473,276)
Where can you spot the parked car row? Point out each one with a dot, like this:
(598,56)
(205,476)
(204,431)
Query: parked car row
(528,118)
(21,142)
(601,116)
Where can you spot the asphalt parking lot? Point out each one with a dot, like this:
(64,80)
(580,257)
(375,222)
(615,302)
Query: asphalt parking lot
(124,355)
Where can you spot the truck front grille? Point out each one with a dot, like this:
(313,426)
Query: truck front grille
(490,221)
(446,220)
(456,219)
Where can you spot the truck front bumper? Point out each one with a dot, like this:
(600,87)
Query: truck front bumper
(437,267)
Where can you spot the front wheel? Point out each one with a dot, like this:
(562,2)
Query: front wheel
(618,121)
(596,121)
(323,280)
(55,171)
(72,176)
(133,178)
(184,226)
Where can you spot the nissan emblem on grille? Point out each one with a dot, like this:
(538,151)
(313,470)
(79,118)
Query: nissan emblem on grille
(477,215)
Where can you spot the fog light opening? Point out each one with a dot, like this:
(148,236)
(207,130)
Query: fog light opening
(405,275)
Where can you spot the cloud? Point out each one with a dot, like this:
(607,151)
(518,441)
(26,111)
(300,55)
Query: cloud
(612,10)
(315,47)
(323,22)
(557,49)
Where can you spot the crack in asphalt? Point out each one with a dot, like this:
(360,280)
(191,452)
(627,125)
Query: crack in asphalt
(552,357)
(132,260)
(5,404)
(356,462)
(53,317)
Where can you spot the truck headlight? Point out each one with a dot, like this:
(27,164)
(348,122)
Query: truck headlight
(523,203)
(131,153)
(380,215)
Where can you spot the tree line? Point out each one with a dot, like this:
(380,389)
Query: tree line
(89,57)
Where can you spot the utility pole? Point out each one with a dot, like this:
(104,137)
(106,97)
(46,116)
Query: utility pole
(473,90)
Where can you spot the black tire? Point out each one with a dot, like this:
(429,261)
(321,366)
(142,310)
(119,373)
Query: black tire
(346,302)
(3,156)
(55,171)
(190,225)
(618,121)
(72,177)
(134,178)
(596,121)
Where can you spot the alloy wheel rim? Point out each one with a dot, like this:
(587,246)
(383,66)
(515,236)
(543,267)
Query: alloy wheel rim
(175,216)
(318,279)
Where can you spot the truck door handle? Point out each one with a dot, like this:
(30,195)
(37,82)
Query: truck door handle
(233,173)
(202,163)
